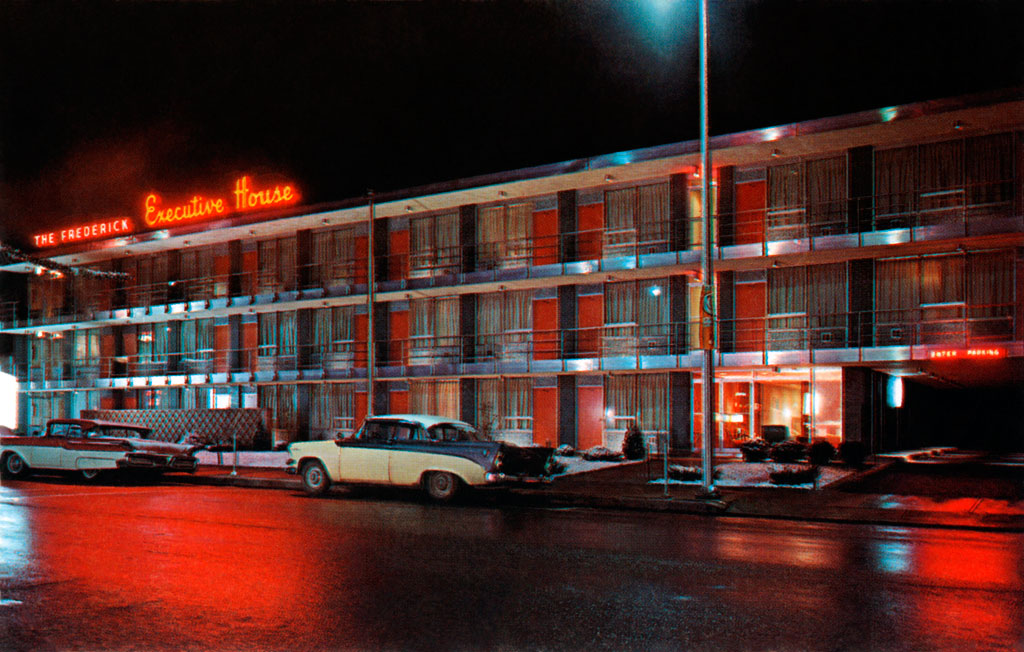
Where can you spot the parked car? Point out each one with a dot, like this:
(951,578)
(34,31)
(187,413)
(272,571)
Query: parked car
(91,447)
(438,454)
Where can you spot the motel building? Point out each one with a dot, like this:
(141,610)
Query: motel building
(869,288)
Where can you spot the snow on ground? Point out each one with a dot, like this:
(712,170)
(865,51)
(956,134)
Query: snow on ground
(747,474)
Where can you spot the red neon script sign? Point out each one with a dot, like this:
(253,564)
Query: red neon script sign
(978,353)
(82,232)
(199,208)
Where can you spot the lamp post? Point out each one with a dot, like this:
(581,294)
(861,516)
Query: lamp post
(708,318)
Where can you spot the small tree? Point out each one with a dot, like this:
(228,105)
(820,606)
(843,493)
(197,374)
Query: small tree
(633,447)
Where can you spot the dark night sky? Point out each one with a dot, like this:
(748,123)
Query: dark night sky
(100,103)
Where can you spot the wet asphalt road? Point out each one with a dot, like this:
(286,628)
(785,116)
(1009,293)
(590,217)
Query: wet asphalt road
(159,567)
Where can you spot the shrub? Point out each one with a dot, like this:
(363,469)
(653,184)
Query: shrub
(565,450)
(554,467)
(601,454)
(690,473)
(787,451)
(633,445)
(853,453)
(821,452)
(754,450)
(790,475)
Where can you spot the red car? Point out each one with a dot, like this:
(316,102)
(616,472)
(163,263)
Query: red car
(92,447)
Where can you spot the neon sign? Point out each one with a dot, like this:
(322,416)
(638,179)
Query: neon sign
(978,353)
(92,231)
(246,198)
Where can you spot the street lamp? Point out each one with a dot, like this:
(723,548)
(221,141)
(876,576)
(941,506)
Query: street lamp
(708,318)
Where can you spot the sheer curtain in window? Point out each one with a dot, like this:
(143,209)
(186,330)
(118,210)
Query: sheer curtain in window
(440,397)
(787,308)
(941,181)
(826,195)
(785,213)
(434,245)
(989,170)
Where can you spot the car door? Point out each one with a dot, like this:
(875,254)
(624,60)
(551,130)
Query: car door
(45,453)
(365,458)
(83,451)
(409,455)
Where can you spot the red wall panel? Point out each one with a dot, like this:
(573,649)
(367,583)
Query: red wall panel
(398,342)
(250,266)
(545,416)
(751,199)
(545,329)
(750,313)
(398,402)
(361,264)
(360,408)
(545,237)
(250,342)
(398,260)
(591,225)
(361,329)
(222,347)
(590,417)
(590,319)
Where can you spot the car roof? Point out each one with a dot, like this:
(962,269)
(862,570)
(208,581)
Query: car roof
(425,420)
(91,423)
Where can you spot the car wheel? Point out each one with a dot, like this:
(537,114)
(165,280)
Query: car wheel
(14,466)
(90,474)
(314,479)
(441,486)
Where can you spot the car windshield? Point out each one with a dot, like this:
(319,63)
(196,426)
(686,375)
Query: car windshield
(120,433)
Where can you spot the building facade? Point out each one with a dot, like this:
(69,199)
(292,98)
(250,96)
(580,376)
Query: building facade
(869,273)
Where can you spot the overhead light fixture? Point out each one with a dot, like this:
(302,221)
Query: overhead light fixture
(958,125)
(608,178)
(776,153)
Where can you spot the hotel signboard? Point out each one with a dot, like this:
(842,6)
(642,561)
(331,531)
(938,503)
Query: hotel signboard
(245,197)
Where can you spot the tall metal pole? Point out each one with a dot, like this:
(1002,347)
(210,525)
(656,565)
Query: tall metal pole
(708,325)
(371,362)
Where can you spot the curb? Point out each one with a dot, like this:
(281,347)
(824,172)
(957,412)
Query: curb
(723,508)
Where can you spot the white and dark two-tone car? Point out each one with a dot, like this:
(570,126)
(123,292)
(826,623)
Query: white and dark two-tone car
(438,454)
(91,447)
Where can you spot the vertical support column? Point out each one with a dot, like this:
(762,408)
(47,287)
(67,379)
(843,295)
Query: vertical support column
(236,359)
(679,212)
(235,285)
(467,328)
(303,260)
(303,407)
(568,226)
(467,237)
(857,401)
(567,320)
(467,400)
(860,292)
(726,212)
(304,320)
(680,411)
(567,410)
(678,298)
(727,312)
(860,166)
(176,290)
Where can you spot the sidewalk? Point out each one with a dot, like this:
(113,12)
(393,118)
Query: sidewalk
(628,487)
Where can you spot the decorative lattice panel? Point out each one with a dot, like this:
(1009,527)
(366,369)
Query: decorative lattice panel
(210,426)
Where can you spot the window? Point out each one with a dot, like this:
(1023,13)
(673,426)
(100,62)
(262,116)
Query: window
(637,220)
(954,299)
(87,354)
(197,345)
(807,307)
(939,183)
(635,398)
(807,198)
(150,280)
(434,330)
(504,407)
(636,316)
(278,345)
(197,274)
(440,397)
(280,401)
(334,337)
(333,408)
(333,257)
(434,245)
(504,324)
(277,271)
(503,236)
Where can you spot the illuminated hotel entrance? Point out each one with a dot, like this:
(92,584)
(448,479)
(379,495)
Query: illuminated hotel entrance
(803,403)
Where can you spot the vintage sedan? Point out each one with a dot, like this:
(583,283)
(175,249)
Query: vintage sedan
(438,454)
(92,447)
